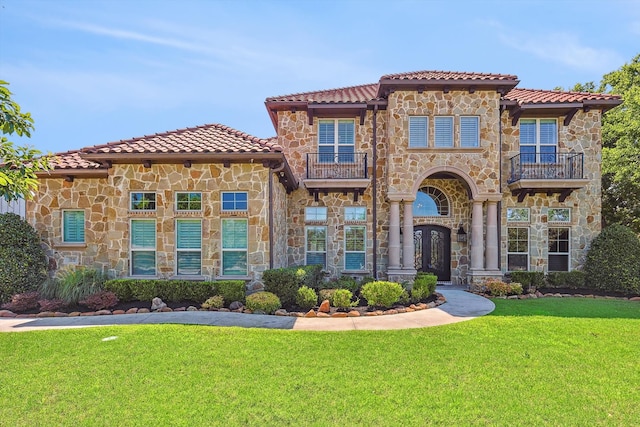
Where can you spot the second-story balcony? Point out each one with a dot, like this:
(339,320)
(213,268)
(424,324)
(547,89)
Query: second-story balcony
(336,172)
(549,173)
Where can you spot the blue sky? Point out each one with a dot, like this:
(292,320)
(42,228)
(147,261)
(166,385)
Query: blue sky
(92,72)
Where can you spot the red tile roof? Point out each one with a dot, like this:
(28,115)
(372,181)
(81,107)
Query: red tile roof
(211,138)
(351,94)
(537,96)
(72,160)
(448,75)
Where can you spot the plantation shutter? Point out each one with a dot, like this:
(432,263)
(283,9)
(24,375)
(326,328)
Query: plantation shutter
(73,226)
(418,132)
(143,234)
(189,234)
(469,131)
(444,131)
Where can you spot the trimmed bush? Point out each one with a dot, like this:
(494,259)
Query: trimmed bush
(613,261)
(231,290)
(266,302)
(314,276)
(342,298)
(51,304)
(381,293)
(23,264)
(215,302)
(120,287)
(284,282)
(530,280)
(566,279)
(306,298)
(22,302)
(345,282)
(423,286)
(100,300)
(498,288)
(326,294)
(175,290)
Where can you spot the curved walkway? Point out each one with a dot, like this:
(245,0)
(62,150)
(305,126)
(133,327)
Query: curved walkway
(460,306)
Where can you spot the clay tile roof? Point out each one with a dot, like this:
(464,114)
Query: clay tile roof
(72,160)
(536,96)
(448,75)
(352,94)
(210,138)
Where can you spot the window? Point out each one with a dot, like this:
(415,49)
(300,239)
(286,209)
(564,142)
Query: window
(143,247)
(188,201)
(518,249)
(143,201)
(430,202)
(315,214)
(234,247)
(418,126)
(316,245)
(443,131)
(73,226)
(559,215)
(558,249)
(354,247)
(356,213)
(538,140)
(517,214)
(469,131)
(336,141)
(236,201)
(188,247)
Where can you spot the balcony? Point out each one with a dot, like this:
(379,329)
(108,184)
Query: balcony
(343,172)
(550,173)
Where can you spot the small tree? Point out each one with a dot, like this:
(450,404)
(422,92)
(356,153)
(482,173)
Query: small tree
(23,264)
(613,261)
(18,165)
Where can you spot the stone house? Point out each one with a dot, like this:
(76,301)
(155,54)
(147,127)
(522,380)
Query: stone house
(460,174)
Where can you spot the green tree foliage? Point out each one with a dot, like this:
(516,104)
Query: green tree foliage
(18,165)
(23,264)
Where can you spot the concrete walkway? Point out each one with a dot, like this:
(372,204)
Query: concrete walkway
(460,306)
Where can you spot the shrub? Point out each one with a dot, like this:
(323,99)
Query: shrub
(100,300)
(266,302)
(326,294)
(381,293)
(120,287)
(214,302)
(231,290)
(75,284)
(498,288)
(530,280)
(342,298)
(423,286)
(613,261)
(51,304)
(346,282)
(314,276)
(174,290)
(306,298)
(23,265)
(284,282)
(566,279)
(23,302)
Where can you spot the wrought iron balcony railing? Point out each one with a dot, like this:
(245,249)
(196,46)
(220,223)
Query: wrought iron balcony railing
(336,166)
(547,166)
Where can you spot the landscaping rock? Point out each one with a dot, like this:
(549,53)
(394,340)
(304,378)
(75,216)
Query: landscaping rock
(634,299)
(60,314)
(103,313)
(325,307)
(512,297)
(74,314)
(224,310)
(281,312)
(143,310)
(353,313)
(391,311)
(46,314)
(322,314)
(88,313)
(133,310)
(371,313)
(116,312)
(166,310)
(191,308)
(180,309)
(157,304)
(310,313)
(431,305)
(410,310)
(7,313)
(339,314)
(236,305)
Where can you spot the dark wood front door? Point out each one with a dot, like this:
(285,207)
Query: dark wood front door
(433,250)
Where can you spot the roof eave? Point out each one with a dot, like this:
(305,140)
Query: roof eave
(74,172)
(499,85)
(172,158)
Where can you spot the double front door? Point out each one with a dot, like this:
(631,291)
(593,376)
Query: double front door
(433,250)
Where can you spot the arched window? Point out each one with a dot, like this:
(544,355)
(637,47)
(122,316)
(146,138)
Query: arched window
(430,202)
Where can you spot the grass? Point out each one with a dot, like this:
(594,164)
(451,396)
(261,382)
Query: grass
(569,362)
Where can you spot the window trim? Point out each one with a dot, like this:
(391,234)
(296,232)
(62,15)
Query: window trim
(155,201)
(222,208)
(528,210)
(336,141)
(528,253)
(439,198)
(177,203)
(306,244)
(355,210)
(435,131)
(84,227)
(317,209)
(567,254)
(132,249)
(537,146)
(364,247)
(477,140)
(178,250)
(426,134)
(223,249)
(555,221)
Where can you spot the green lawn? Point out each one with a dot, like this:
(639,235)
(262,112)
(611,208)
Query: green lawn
(559,362)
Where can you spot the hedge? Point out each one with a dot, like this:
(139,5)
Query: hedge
(176,290)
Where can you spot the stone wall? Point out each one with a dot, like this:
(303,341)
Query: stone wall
(107,214)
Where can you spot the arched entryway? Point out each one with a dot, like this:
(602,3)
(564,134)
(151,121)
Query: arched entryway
(433,250)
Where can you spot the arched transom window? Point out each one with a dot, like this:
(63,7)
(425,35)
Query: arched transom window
(430,202)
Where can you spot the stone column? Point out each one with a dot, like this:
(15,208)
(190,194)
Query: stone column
(492,236)
(477,241)
(394,235)
(408,248)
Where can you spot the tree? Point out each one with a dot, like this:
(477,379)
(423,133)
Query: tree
(621,148)
(18,165)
